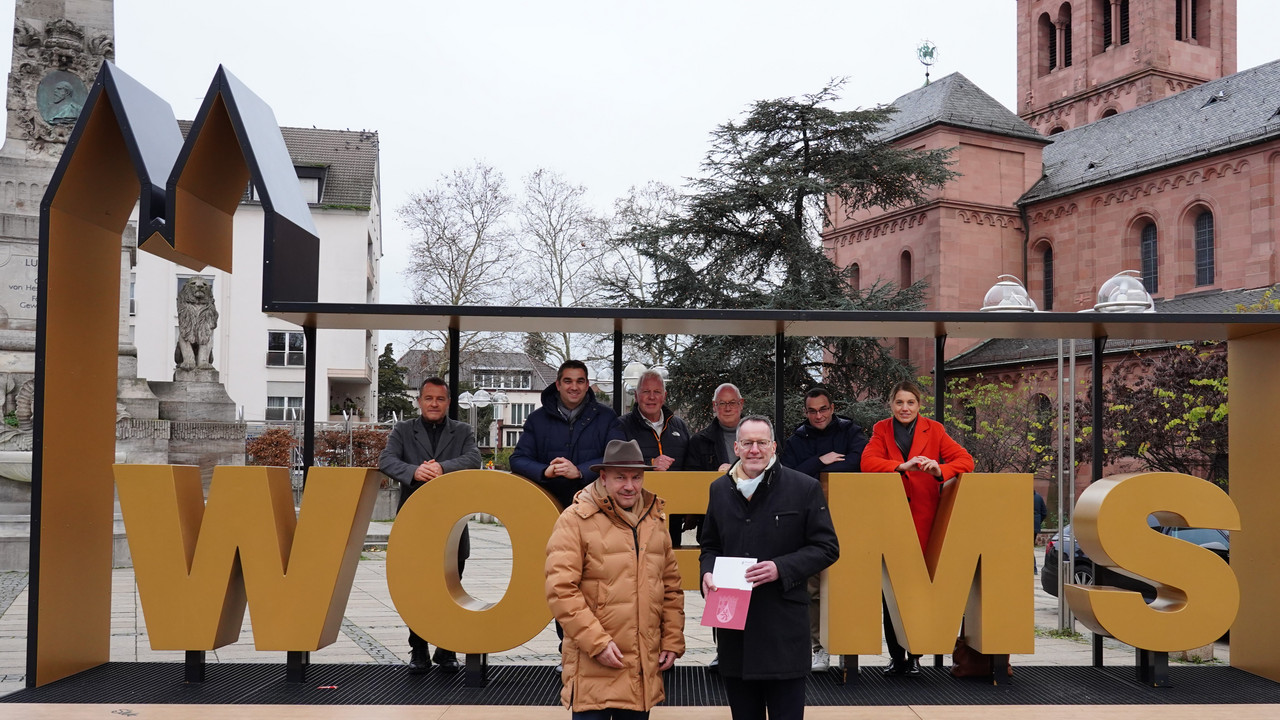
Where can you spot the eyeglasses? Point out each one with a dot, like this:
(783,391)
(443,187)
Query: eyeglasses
(726,404)
(754,443)
(818,411)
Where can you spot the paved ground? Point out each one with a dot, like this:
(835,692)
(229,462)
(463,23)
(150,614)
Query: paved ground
(373,633)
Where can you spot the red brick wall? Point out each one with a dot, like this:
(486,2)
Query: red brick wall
(1152,65)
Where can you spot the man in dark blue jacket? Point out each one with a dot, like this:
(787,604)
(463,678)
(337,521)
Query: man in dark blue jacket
(566,436)
(823,443)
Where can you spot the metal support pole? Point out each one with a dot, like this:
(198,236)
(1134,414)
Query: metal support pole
(617,371)
(1064,391)
(296,662)
(309,401)
(779,377)
(1098,344)
(454,354)
(193,670)
(939,377)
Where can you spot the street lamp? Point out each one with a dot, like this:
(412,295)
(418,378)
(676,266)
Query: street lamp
(631,377)
(1124,292)
(499,400)
(1008,295)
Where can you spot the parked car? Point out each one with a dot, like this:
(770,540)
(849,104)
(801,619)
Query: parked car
(1087,573)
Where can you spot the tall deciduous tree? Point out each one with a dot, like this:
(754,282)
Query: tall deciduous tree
(394,394)
(462,251)
(746,235)
(563,242)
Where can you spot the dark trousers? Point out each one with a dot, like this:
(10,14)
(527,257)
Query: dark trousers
(610,714)
(896,651)
(749,699)
(417,643)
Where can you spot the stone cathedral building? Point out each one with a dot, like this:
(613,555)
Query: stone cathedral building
(1135,145)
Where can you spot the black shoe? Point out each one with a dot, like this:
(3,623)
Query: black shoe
(895,667)
(448,661)
(419,663)
(714,665)
(912,667)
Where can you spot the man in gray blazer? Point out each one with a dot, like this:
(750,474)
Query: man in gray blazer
(418,451)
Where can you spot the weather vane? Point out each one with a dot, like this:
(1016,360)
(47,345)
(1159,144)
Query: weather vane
(927,54)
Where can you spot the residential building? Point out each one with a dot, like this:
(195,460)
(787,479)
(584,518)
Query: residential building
(261,360)
(521,377)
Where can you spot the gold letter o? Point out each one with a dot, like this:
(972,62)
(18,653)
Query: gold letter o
(425,538)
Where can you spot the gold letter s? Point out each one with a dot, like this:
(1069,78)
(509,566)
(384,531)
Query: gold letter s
(1197,595)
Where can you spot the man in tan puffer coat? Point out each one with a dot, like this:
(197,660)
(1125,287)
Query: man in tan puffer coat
(613,584)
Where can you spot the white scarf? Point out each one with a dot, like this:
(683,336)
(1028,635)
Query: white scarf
(747,486)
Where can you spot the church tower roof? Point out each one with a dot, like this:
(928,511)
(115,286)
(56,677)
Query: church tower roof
(954,100)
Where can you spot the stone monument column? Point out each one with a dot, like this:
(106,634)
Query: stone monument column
(58,46)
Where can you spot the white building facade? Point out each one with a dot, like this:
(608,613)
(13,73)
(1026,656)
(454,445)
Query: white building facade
(261,360)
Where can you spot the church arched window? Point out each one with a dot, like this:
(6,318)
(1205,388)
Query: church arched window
(1047,269)
(1150,259)
(1204,248)
(1048,45)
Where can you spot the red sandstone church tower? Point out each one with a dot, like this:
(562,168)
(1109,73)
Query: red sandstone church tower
(1161,160)
(1089,59)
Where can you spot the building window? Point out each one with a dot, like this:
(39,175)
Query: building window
(513,437)
(1048,45)
(1124,22)
(1188,20)
(502,379)
(284,407)
(1150,259)
(904,269)
(1104,9)
(286,349)
(855,277)
(1066,36)
(133,289)
(1204,248)
(1048,278)
(310,182)
(520,412)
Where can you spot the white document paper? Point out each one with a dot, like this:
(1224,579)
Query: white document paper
(730,573)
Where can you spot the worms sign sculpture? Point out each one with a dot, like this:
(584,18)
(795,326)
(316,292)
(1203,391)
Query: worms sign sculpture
(200,562)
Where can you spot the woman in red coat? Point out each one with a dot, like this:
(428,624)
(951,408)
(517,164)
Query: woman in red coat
(919,450)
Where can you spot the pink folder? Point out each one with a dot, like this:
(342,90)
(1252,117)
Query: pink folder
(726,608)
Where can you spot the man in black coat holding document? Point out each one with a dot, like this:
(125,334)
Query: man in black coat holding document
(762,510)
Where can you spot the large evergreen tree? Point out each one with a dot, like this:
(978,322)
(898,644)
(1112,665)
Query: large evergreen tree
(746,235)
(394,394)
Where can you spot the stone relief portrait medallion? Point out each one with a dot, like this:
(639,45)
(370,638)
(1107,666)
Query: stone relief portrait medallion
(60,96)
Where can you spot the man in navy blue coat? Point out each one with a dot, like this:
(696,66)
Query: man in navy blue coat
(823,443)
(566,436)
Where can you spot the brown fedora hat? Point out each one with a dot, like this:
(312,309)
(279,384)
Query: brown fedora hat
(623,454)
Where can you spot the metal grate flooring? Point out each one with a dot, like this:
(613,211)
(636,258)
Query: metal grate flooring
(259,684)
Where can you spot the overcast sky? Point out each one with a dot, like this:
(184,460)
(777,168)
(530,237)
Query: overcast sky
(609,94)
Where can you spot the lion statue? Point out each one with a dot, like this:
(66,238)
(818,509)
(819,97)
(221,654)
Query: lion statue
(197,317)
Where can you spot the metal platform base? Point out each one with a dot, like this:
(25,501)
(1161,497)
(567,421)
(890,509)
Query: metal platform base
(264,684)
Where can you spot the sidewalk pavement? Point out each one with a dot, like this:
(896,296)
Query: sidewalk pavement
(372,631)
